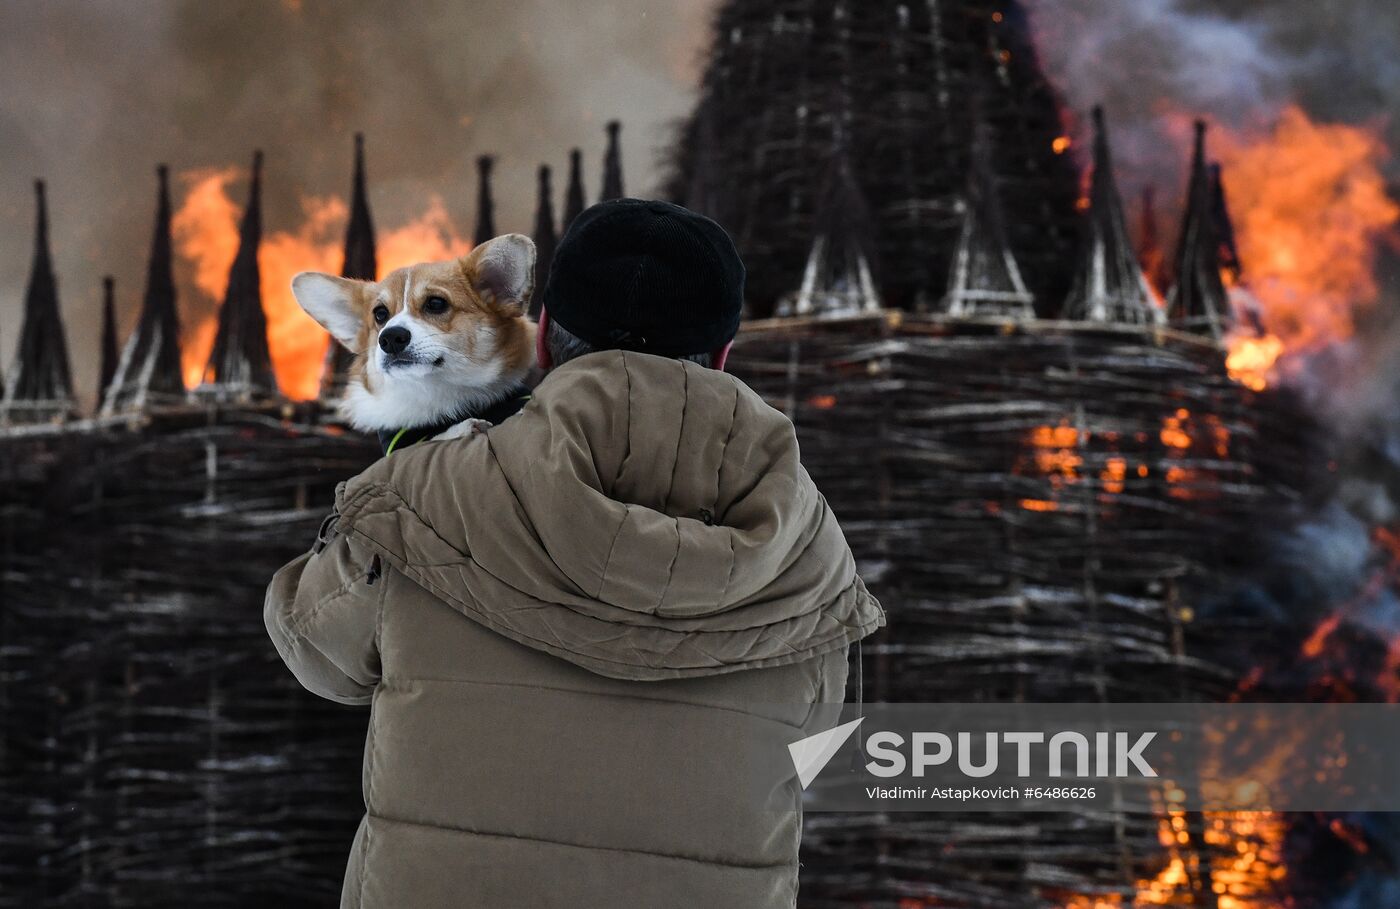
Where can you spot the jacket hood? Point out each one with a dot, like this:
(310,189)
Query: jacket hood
(642,517)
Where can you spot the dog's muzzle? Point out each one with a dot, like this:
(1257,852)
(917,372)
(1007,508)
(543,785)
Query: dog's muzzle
(394,340)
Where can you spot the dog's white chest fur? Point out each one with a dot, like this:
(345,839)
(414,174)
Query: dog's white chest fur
(403,399)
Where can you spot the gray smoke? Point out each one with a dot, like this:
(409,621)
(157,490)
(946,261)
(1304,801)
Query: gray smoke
(1234,62)
(98,91)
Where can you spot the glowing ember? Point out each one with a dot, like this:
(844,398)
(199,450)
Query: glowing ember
(1310,205)
(1173,436)
(206,237)
(1055,457)
(1113,475)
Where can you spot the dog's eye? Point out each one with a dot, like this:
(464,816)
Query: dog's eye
(435,306)
(381,315)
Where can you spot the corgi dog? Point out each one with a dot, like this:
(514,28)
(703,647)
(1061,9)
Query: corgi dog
(438,345)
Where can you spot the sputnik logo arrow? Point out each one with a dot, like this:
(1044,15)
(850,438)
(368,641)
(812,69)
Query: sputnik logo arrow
(811,754)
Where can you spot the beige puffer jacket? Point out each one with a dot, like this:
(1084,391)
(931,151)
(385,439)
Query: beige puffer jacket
(579,634)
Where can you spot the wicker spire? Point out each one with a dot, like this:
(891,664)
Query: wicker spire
(546,239)
(574,199)
(612,164)
(1198,301)
(1109,285)
(985,279)
(485,203)
(240,365)
(40,385)
(1224,227)
(360,262)
(108,341)
(149,365)
(838,278)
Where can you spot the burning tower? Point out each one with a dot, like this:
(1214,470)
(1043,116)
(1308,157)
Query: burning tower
(1109,284)
(1198,301)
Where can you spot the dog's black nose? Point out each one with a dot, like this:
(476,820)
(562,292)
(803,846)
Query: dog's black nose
(394,339)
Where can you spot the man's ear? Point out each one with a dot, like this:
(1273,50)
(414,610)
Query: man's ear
(503,269)
(720,356)
(543,359)
(336,303)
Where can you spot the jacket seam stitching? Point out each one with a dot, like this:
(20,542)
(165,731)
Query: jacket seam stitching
(671,488)
(627,455)
(724,458)
(369,800)
(680,433)
(622,465)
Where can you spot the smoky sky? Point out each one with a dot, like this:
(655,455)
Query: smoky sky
(97,92)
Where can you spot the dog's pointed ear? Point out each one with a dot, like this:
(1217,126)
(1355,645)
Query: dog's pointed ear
(503,269)
(336,303)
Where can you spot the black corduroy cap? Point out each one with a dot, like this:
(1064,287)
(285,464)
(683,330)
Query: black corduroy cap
(646,276)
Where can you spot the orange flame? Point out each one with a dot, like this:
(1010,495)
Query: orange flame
(206,237)
(1310,206)
(1243,871)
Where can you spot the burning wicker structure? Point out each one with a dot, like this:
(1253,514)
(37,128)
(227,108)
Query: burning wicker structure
(1036,500)
(1037,504)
